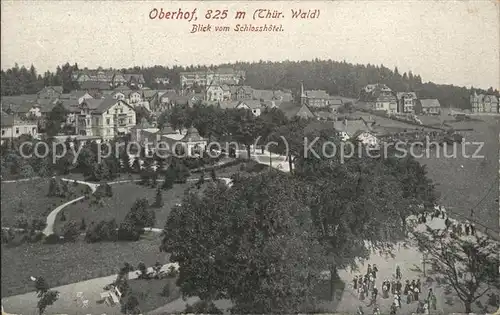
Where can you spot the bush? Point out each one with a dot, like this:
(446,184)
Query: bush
(71,231)
(22,223)
(166,290)
(52,239)
(38,224)
(172,272)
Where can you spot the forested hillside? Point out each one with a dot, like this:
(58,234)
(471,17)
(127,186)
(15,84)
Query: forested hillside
(337,78)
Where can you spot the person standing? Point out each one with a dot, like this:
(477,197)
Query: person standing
(393,309)
(398,273)
(398,295)
(399,286)
(407,287)
(369,270)
(361,293)
(393,287)
(416,291)
(355,282)
(374,271)
(472,229)
(433,301)
(419,285)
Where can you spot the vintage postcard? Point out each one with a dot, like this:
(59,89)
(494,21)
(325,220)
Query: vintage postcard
(250,157)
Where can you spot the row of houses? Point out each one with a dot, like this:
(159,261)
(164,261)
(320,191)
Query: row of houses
(107,78)
(210,77)
(384,99)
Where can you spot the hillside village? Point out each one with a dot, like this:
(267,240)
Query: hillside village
(107,102)
(133,232)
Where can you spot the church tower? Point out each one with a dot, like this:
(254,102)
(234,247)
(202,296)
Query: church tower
(303,97)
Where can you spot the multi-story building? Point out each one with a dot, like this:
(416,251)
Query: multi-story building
(314,98)
(110,77)
(406,102)
(13,127)
(218,76)
(481,103)
(387,103)
(214,93)
(105,118)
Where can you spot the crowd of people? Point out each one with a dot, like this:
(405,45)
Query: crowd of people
(453,227)
(365,287)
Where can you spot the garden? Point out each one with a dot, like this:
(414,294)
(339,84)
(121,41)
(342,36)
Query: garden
(24,202)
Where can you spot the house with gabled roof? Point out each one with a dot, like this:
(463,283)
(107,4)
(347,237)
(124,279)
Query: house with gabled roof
(105,118)
(255,106)
(243,93)
(406,102)
(50,92)
(14,127)
(430,106)
(292,110)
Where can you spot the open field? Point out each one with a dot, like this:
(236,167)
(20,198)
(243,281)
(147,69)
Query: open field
(28,199)
(465,182)
(149,292)
(71,262)
(117,206)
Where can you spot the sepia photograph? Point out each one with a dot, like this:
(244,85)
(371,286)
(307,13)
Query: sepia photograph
(250,157)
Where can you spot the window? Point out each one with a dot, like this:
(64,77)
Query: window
(121,110)
(3,132)
(130,120)
(33,130)
(17,131)
(107,121)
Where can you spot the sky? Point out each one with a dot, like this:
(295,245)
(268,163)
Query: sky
(448,42)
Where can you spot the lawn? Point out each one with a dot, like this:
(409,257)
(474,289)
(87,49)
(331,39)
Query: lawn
(117,206)
(29,200)
(463,182)
(72,262)
(149,292)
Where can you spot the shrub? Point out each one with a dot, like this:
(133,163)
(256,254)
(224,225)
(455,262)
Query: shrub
(172,272)
(38,224)
(22,223)
(166,290)
(70,231)
(52,239)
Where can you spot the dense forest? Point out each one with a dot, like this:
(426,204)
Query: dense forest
(337,78)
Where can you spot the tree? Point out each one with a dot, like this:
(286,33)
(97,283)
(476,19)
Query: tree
(213,175)
(466,264)
(143,271)
(140,216)
(71,231)
(170,177)
(244,127)
(158,198)
(131,306)
(46,296)
(55,119)
(46,300)
(253,244)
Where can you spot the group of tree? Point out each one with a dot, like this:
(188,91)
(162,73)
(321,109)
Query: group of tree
(286,228)
(46,296)
(141,215)
(337,78)
(20,80)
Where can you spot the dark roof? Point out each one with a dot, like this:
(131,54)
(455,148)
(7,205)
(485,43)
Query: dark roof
(430,102)
(291,109)
(167,130)
(192,134)
(57,88)
(6,120)
(90,85)
(335,102)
